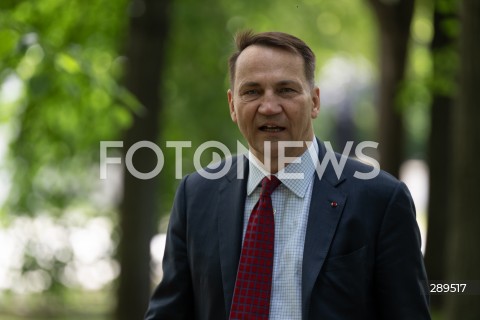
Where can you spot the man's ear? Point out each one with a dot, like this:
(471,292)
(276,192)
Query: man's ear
(315,102)
(231,106)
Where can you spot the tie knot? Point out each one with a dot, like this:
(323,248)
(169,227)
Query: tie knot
(269,184)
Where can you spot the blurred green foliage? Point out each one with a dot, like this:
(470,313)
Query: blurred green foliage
(65,57)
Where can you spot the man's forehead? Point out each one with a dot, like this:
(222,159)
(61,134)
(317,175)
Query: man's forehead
(262,60)
(256,57)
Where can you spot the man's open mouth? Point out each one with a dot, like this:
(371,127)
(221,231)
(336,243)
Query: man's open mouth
(269,128)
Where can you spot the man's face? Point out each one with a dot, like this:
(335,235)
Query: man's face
(272,100)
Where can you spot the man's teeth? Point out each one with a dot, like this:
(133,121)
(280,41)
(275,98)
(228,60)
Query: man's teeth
(271,128)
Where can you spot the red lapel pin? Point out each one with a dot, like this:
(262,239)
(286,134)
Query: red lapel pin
(333,204)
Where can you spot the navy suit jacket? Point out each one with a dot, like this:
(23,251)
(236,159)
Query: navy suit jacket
(361,260)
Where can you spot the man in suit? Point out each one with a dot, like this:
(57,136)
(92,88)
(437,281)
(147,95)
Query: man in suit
(342,247)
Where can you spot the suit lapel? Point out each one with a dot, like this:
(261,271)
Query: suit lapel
(322,224)
(230,210)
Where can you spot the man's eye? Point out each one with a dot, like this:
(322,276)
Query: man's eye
(286,90)
(251,92)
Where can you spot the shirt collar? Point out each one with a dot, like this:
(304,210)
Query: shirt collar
(290,176)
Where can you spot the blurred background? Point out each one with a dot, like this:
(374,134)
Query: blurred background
(404,73)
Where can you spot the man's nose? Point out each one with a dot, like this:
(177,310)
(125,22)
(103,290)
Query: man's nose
(270,104)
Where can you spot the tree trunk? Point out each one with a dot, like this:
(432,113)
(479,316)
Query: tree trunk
(464,260)
(394,18)
(145,52)
(442,49)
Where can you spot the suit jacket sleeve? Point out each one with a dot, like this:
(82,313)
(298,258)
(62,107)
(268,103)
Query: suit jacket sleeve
(173,298)
(400,274)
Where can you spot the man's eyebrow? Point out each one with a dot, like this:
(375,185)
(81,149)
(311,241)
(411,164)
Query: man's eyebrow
(279,83)
(249,84)
(288,82)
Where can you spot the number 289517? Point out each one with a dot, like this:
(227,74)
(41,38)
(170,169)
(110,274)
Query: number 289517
(447,287)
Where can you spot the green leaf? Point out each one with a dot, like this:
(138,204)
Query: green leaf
(67,63)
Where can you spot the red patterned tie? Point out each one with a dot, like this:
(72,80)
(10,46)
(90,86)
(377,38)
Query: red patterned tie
(251,298)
